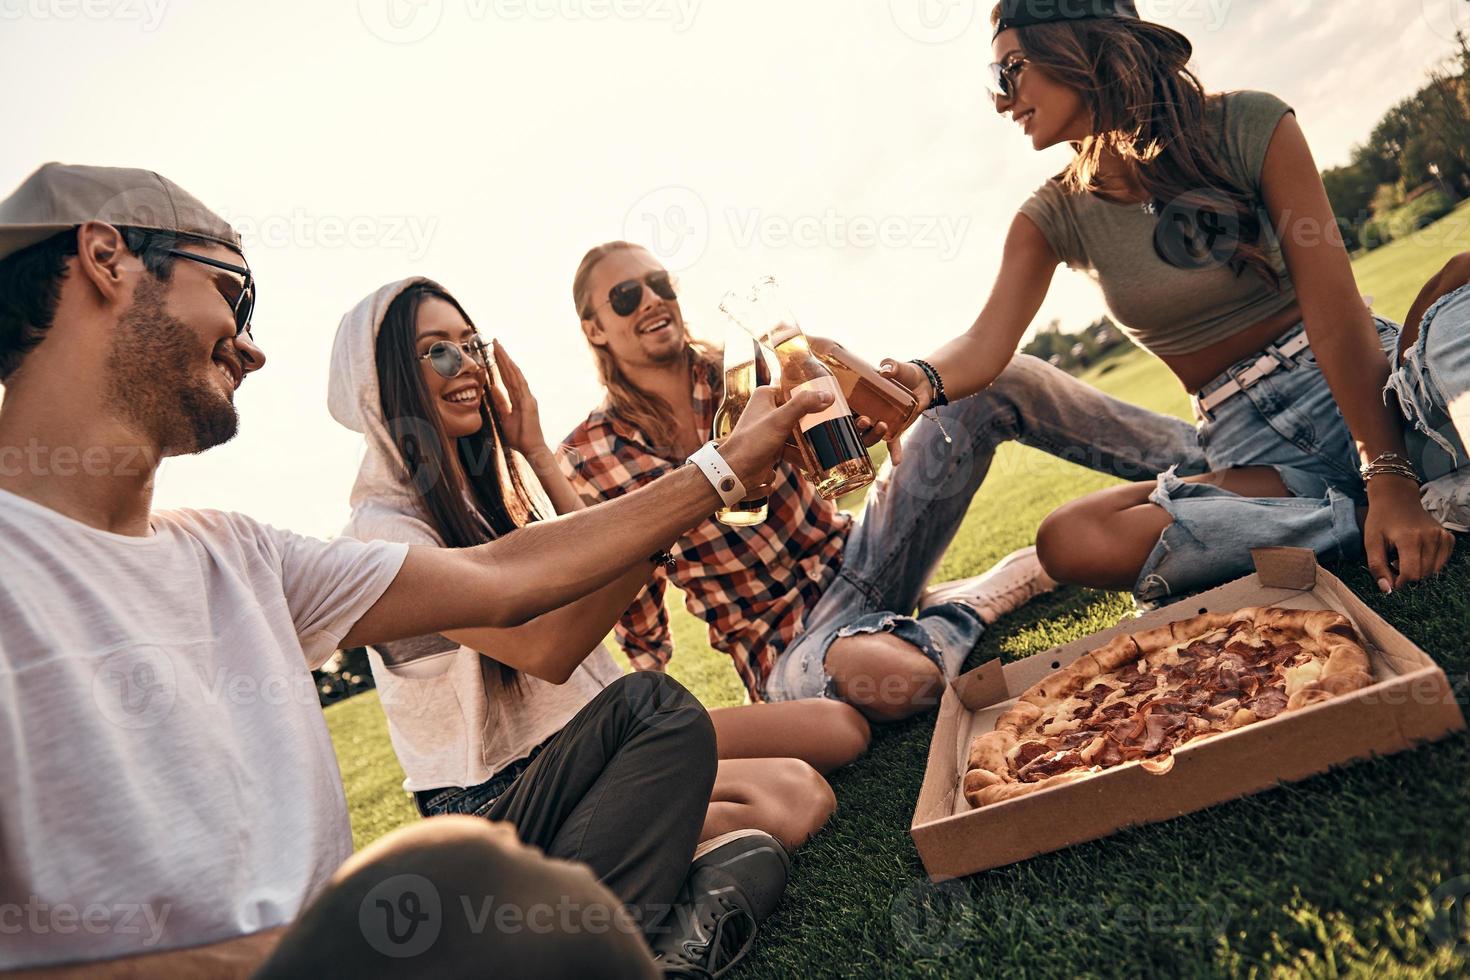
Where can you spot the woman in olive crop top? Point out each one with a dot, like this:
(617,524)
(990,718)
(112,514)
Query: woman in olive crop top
(1205,222)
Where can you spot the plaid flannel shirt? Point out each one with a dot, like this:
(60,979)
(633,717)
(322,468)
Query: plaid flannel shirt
(752,585)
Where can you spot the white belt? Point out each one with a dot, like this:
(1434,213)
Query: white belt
(1273,360)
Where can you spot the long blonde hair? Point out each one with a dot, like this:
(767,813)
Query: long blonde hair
(650,414)
(1149,110)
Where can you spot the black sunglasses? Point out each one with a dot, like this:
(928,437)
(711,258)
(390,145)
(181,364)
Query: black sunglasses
(1002,81)
(447,359)
(626,296)
(243,305)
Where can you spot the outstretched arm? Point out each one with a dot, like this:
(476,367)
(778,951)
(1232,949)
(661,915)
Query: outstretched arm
(973,360)
(513,580)
(1345,342)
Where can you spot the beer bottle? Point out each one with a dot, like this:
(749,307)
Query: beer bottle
(835,459)
(741,359)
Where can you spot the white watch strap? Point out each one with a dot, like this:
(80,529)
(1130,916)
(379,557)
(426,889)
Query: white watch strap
(719,474)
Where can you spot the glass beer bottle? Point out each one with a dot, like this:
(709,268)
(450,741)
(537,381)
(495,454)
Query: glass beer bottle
(836,460)
(741,358)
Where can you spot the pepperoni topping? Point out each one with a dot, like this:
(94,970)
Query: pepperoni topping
(1029,751)
(1145,683)
(1269,703)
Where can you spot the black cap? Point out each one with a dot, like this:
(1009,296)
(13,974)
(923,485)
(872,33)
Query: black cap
(1029,13)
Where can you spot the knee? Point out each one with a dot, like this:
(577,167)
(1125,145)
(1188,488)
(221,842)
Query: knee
(1063,543)
(659,704)
(800,801)
(1456,271)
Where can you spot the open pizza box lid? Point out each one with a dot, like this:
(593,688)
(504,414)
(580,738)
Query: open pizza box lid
(1409,702)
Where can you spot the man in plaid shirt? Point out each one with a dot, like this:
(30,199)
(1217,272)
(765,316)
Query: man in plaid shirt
(812,603)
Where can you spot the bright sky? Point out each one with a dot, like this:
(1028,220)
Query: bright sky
(845,145)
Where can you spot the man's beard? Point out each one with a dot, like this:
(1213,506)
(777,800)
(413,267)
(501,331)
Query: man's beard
(153,379)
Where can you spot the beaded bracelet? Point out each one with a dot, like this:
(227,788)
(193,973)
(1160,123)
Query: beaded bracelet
(1391,464)
(936,383)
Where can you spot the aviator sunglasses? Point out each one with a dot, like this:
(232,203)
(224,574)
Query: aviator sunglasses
(628,294)
(447,359)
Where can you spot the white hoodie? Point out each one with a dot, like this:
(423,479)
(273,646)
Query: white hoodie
(450,721)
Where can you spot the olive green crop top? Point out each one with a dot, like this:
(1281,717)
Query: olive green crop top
(1161,307)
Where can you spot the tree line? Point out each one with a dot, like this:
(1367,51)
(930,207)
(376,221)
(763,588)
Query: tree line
(1414,167)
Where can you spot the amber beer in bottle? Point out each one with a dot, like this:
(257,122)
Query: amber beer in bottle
(741,359)
(836,461)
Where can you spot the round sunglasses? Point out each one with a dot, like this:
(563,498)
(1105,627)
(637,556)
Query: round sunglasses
(447,359)
(627,295)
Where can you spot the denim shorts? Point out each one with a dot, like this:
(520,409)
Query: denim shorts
(1289,421)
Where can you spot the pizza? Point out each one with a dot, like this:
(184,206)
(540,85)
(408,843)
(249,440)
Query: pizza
(1140,697)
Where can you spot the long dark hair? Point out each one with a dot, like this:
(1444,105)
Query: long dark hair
(484,497)
(1150,110)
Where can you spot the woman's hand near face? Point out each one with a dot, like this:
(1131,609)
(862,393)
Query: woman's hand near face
(519,415)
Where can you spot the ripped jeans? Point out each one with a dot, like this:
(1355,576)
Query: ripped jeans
(1290,422)
(914,510)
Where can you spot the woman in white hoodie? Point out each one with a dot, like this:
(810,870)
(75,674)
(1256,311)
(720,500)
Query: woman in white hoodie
(467,714)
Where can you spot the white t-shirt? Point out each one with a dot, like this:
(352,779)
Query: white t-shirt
(166,776)
(451,721)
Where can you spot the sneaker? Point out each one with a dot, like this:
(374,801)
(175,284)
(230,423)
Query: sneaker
(735,881)
(1014,581)
(1448,500)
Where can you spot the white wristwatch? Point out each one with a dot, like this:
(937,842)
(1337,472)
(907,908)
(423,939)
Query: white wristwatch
(719,473)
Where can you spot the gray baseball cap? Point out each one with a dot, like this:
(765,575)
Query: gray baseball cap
(59,196)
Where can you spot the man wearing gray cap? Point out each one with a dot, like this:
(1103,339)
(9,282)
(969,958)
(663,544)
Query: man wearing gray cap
(171,802)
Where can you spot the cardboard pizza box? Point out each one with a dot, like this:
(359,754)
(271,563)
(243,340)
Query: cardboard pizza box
(1409,703)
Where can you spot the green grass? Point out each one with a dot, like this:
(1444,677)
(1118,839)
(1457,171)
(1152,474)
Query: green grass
(1329,877)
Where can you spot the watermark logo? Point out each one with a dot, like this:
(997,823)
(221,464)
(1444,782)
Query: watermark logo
(1450,926)
(673,223)
(933,21)
(411,21)
(933,921)
(135,688)
(940,233)
(411,234)
(147,14)
(1447,18)
(401,21)
(1199,230)
(401,916)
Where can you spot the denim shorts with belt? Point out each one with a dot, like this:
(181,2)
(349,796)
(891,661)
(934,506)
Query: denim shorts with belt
(1289,420)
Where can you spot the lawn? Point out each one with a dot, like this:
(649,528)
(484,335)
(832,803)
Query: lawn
(1346,873)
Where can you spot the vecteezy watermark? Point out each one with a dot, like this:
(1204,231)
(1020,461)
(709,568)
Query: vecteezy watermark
(35,917)
(942,21)
(671,222)
(934,921)
(401,916)
(148,14)
(942,233)
(934,21)
(1447,17)
(676,225)
(136,688)
(36,459)
(1450,907)
(410,21)
(411,234)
